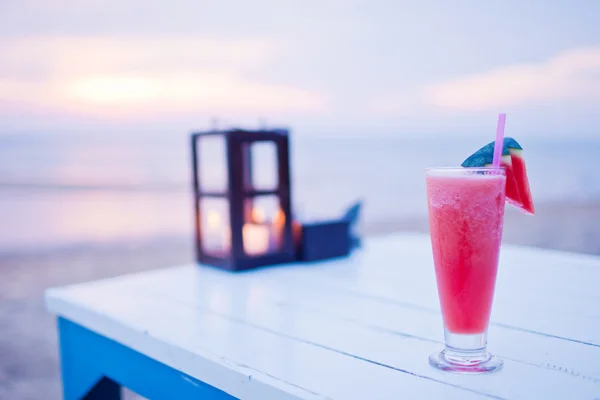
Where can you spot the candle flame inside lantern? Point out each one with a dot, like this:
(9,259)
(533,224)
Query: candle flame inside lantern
(213,219)
(258,215)
(279,220)
(218,237)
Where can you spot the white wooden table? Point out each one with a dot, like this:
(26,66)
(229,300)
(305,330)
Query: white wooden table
(359,328)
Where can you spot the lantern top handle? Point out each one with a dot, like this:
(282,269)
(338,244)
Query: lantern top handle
(245,134)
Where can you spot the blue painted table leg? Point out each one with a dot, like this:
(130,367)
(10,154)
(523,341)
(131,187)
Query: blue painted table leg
(95,367)
(81,380)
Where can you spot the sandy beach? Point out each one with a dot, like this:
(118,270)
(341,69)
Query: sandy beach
(28,351)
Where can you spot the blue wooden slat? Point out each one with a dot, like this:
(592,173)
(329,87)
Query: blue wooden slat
(87,358)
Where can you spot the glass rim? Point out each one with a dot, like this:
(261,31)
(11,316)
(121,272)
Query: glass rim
(464,170)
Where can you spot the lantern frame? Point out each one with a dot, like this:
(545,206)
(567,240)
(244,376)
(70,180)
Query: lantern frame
(238,190)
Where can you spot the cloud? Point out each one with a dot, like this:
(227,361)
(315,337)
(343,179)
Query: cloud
(151,74)
(571,76)
(192,90)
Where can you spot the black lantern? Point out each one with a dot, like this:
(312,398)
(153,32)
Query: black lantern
(241,220)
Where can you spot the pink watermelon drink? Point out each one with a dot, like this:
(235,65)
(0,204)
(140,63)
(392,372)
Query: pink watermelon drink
(466,214)
(466,210)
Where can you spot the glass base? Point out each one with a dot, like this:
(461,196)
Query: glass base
(489,363)
(465,354)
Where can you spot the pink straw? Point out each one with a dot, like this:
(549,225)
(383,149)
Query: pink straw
(499,140)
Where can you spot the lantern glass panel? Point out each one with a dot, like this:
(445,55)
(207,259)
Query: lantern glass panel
(264,166)
(215,231)
(211,151)
(263,230)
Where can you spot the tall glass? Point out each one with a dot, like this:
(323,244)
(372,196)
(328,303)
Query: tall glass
(466,215)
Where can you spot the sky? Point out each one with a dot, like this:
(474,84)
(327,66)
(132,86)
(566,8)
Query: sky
(319,67)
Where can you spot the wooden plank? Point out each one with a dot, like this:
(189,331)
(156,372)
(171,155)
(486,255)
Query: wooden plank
(257,303)
(400,269)
(569,357)
(243,360)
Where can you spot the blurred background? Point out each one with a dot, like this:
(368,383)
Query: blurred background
(97,100)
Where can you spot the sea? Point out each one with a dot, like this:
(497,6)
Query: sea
(68,190)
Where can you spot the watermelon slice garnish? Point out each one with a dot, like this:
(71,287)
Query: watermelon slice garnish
(518,192)
(520,172)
